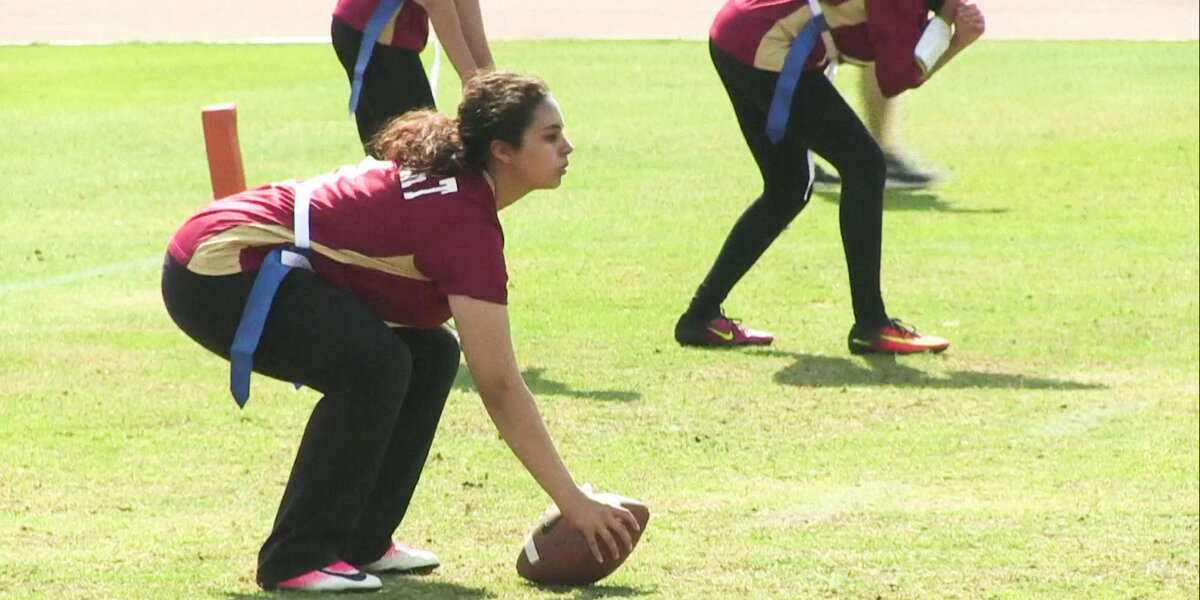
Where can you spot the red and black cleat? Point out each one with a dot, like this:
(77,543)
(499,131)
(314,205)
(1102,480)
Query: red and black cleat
(893,337)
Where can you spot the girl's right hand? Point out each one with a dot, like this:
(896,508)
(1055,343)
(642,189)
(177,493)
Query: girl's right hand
(602,524)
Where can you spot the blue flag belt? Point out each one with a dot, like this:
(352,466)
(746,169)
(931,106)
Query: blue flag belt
(793,67)
(274,268)
(386,10)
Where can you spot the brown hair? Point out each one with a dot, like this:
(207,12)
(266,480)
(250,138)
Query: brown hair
(497,105)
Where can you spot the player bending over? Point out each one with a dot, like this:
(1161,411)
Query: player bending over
(770,55)
(343,283)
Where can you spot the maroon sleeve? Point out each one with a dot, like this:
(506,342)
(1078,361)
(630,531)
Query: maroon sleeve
(467,258)
(894,26)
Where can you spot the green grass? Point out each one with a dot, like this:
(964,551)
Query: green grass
(1051,453)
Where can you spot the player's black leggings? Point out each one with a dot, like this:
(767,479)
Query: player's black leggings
(367,439)
(823,122)
(393,84)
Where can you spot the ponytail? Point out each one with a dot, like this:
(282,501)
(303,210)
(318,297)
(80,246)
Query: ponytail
(422,141)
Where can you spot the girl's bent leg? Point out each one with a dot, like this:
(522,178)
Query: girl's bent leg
(435,361)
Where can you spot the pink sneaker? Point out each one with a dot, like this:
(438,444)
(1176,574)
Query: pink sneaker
(337,577)
(401,557)
(719,331)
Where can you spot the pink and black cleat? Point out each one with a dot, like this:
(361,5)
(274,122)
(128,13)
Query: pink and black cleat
(337,577)
(720,331)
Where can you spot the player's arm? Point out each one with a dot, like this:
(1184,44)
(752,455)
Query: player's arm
(443,15)
(905,55)
(471,18)
(487,345)
(968,25)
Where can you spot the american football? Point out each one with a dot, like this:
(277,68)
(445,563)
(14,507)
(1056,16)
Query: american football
(556,553)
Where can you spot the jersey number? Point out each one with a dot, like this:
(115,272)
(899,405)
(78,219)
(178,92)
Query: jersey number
(448,185)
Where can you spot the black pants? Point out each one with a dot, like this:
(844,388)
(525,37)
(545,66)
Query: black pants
(393,84)
(367,439)
(820,121)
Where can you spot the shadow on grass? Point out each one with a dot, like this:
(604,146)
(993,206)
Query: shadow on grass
(898,200)
(408,587)
(592,591)
(885,370)
(394,587)
(540,386)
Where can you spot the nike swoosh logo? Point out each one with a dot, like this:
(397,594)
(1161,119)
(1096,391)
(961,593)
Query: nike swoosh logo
(727,336)
(359,576)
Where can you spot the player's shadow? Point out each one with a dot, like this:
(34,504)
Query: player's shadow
(886,371)
(395,587)
(592,591)
(902,200)
(541,386)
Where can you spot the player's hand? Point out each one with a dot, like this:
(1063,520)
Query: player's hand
(603,525)
(968,22)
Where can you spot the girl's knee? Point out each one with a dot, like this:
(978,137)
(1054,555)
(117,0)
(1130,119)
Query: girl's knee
(444,346)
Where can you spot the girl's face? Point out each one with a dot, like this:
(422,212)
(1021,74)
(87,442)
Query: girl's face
(542,159)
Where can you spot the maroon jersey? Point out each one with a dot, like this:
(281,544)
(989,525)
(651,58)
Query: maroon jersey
(408,29)
(399,242)
(760,32)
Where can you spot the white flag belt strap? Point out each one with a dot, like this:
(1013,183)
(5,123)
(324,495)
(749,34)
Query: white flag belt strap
(831,51)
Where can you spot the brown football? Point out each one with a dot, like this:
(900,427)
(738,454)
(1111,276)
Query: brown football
(555,552)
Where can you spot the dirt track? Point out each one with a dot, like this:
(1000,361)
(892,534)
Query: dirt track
(88,21)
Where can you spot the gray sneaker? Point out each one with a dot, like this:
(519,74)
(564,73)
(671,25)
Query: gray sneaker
(825,179)
(401,557)
(904,174)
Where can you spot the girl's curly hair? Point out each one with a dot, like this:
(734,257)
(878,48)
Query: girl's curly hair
(497,105)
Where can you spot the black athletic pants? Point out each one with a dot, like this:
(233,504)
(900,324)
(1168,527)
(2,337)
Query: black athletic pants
(393,84)
(367,439)
(821,121)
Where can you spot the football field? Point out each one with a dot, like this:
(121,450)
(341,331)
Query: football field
(1051,452)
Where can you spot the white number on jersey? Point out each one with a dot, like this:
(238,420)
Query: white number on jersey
(448,185)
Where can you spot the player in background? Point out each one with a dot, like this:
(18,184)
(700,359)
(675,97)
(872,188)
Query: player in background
(749,42)
(380,256)
(882,116)
(394,81)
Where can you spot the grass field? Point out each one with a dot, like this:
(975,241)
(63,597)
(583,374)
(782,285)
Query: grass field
(1050,453)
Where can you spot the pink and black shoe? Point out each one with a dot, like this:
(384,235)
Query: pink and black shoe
(336,577)
(720,331)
